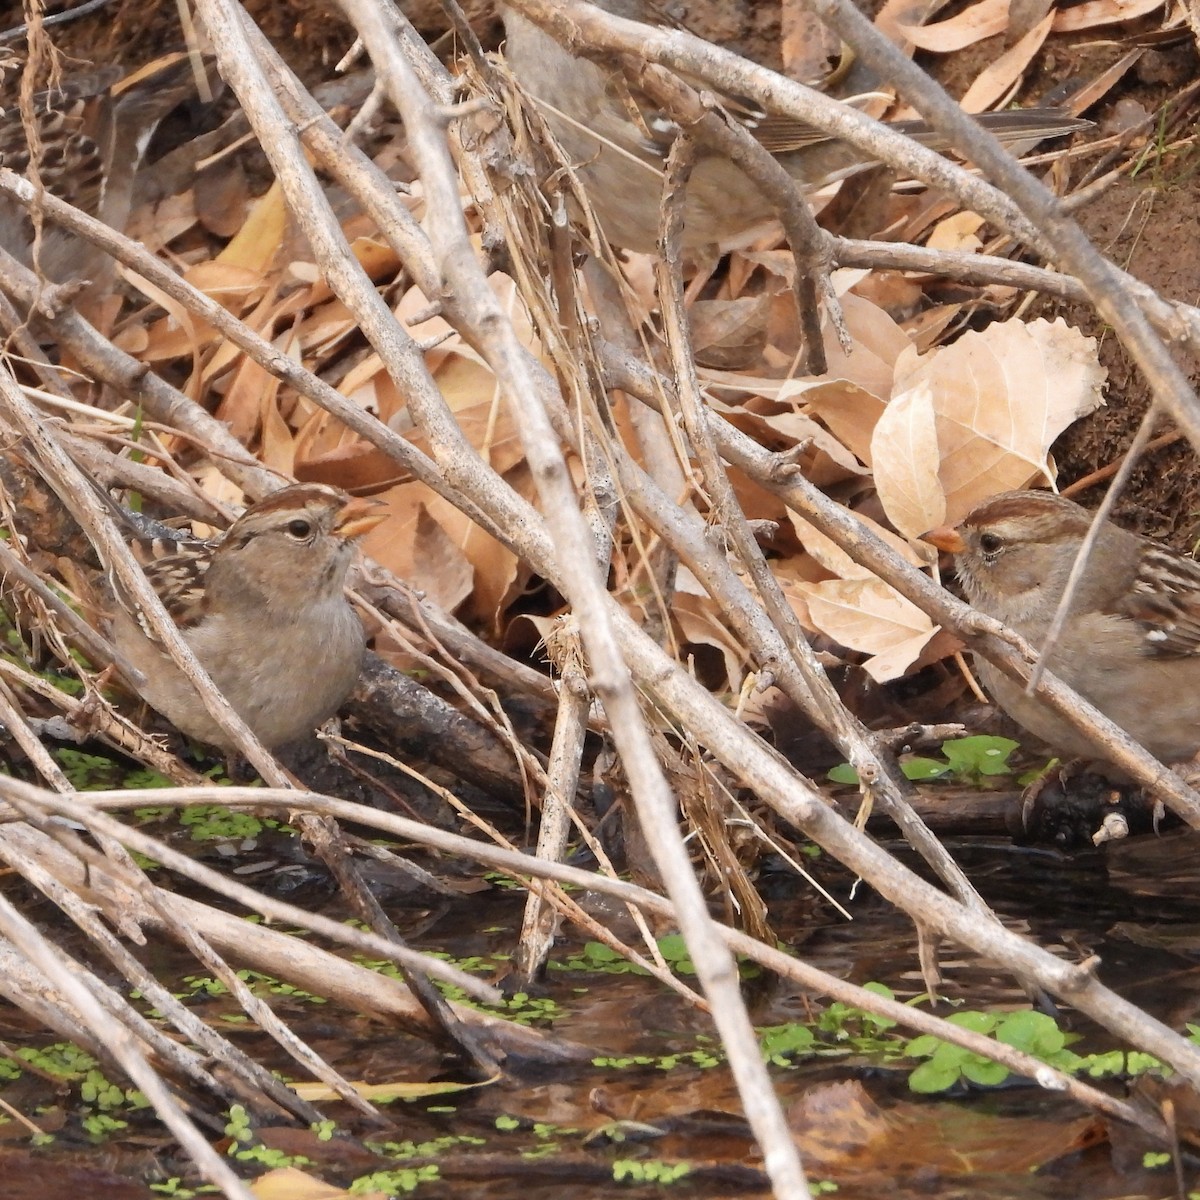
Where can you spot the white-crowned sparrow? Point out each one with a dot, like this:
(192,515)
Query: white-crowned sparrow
(264,610)
(591,110)
(94,129)
(1131,643)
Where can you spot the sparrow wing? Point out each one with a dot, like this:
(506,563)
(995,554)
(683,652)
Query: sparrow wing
(1165,602)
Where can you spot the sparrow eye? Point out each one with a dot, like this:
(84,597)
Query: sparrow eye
(299,528)
(990,543)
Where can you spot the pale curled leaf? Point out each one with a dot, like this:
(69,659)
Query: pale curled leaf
(290,1183)
(973,24)
(905,452)
(869,616)
(958,232)
(836,561)
(1000,398)
(800,428)
(847,410)
(998,78)
(1102,12)
(700,624)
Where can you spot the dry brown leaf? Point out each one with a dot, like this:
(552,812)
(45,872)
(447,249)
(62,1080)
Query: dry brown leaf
(177,335)
(414,303)
(754,500)
(897,293)
(362,373)
(869,616)
(849,411)
(808,44)
(290,1183)
(905,453)
(397,1088)
(842,1131)
(701,624)
(729,333)
(926,211)
(222,197)
(413,546)
(376,257)
(158,225)
(1023,15)
(793,579)
(221,490)
(354,465)
(1102,12)
(232,286)
(927,327)
(877,342)
(838,563)
(868,324)
(278,443)
(499,574)
(134,340)
(999,77)
(982,20)
(781,431)
(261,237)
(224,354)
(485,420)
(241,407)
(323,328)
(957,233)
(897,15)
(1001,397)
(799,427)
(875,618)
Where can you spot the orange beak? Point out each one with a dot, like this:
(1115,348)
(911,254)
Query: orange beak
(944,537)
(359,516)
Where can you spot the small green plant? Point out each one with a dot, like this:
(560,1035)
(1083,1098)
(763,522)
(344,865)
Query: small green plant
(408,1179)
(257,981)
(702,1059)
(629,1170)
(213,822)
(597,957)
(971,760)
(856,1027)
(245,1146)
(176,1189)
(150,813)
(946,1065)
(237,1128)
(430,1149)
(146,778)
(100,1126)
(88,772)
(523,1009)
(781,1044)
(60,1058)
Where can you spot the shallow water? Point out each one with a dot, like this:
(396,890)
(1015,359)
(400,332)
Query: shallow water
(857,1123)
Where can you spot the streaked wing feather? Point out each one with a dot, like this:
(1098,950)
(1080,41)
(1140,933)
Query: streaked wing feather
(176,572)
(72,153)
(1165,601)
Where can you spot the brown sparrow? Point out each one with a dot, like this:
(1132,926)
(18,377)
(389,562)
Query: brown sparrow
(1131,641)
(618,142)
(94,130)
(264,609)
